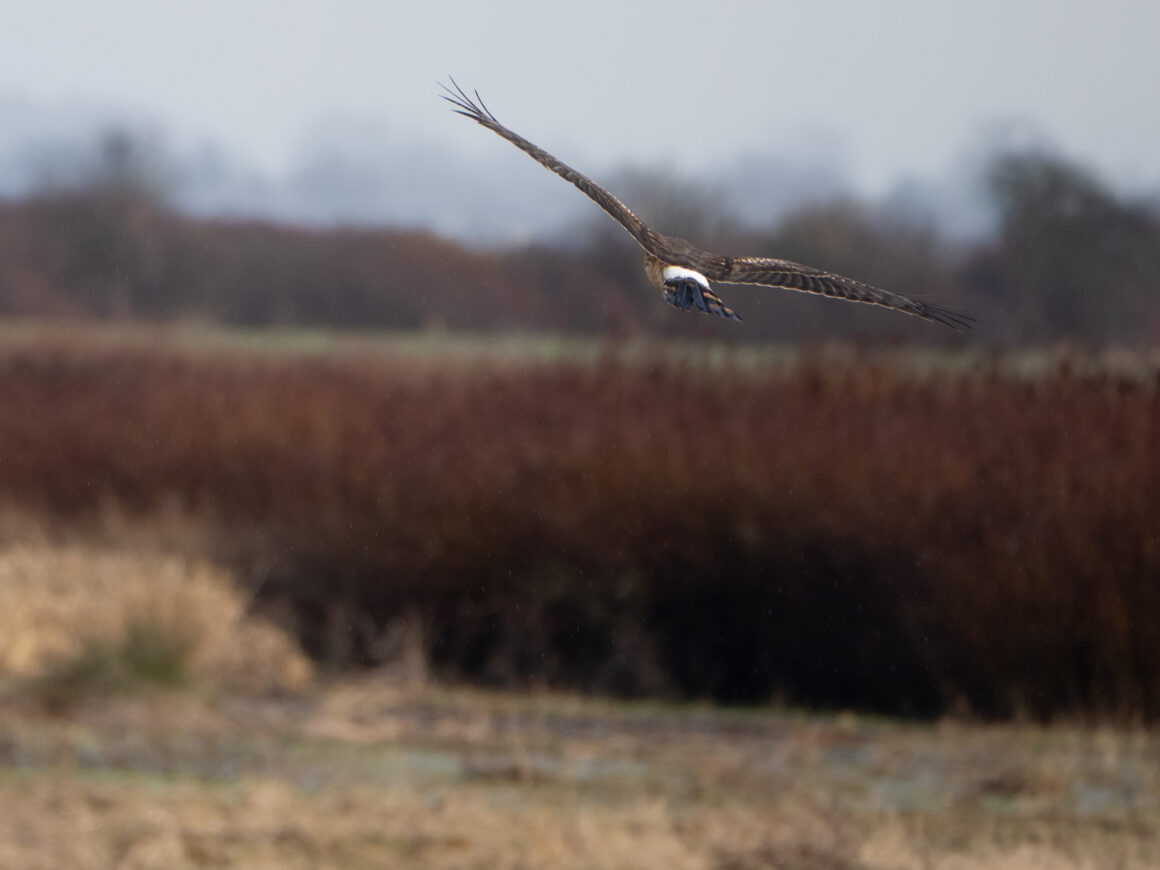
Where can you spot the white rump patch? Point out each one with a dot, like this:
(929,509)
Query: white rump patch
(677,273)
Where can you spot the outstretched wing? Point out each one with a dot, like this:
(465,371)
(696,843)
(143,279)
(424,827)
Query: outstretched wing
(478,112)
(794,276)
(674,251)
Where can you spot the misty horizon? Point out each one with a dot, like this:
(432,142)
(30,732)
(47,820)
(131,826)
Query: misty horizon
(366,174)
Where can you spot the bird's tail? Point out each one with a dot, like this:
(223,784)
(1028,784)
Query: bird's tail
(688,294)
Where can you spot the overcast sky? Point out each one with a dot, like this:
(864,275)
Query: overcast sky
(879,90)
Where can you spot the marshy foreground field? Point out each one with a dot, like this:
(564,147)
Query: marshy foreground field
(147,722)
(338,603)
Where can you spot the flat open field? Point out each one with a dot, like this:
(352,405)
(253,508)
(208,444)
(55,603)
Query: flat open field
(363,774)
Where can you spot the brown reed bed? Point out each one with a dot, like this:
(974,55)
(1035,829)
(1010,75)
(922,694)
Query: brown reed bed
(845,531)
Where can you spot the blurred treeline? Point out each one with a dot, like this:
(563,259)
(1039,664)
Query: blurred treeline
(1069,259)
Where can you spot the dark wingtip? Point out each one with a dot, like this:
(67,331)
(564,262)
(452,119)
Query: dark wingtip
(457,98)
(475,109)
(956,320)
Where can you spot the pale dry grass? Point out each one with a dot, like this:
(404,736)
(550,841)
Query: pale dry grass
(60,604)
(276,814)
(272,825)
(393,771)
(362,774)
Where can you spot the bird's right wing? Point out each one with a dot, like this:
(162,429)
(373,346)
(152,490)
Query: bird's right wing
(478,112)
(794,276)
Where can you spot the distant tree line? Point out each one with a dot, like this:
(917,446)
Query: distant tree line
(1070,260)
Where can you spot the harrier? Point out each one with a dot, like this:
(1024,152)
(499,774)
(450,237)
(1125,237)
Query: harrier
(681,271)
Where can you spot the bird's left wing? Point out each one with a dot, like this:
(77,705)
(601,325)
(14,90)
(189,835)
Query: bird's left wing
(806,279)
(478,112)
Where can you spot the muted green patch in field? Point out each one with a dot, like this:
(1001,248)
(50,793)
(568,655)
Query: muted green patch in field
(145,654)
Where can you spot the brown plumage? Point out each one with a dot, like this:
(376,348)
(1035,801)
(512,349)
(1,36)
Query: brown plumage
(687,285)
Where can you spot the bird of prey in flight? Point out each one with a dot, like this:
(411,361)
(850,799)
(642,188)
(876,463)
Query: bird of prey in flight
(681,271)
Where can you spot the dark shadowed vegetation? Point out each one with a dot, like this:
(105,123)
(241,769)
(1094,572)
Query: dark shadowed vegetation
(847,531)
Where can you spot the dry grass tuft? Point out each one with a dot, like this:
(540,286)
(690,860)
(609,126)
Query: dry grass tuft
(78,621)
